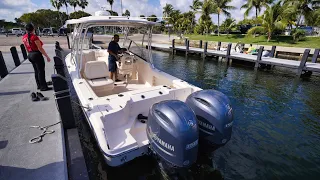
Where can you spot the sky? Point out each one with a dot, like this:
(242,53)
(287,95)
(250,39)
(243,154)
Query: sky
(10,9)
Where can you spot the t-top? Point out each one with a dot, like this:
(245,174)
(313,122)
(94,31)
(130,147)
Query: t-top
(114,47)
(32,45)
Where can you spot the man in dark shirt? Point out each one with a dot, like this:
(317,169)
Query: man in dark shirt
(113,50)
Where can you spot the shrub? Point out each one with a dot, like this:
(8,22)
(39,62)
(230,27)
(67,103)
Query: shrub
(298,34)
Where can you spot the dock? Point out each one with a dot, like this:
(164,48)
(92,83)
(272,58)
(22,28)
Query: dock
(302,67)
(59,155)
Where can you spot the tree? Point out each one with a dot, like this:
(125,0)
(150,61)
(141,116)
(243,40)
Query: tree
(79,14)
(205,22)
(83,4)
(126,13)
(257,4)
(142,16)
(57,4)
(111,3)
(228,25)
(65,2)
(44,18)
(152,18)
(273,19)
(113,13)
(195,7)
(167,10)
(222,7)
(73,3)
(303,8)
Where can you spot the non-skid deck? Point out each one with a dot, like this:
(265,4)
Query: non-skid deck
(314,67)
(18,158)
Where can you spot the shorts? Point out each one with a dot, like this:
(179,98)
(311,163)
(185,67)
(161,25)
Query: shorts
(112,64)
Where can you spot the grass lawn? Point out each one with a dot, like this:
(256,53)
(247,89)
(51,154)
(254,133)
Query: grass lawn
(308,42)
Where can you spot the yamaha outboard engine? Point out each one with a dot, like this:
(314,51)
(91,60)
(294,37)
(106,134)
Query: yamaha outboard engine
(214,115)
(173,134)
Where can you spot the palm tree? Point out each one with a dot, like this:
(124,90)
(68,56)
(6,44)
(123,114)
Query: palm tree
(111,3)
(273,18)
(167,10)
(57,4)
(127,13)
(74,4)
(83,4)
(302,7)
(205,21)
(195,7)
(257,4)
(222,7)
(65,2)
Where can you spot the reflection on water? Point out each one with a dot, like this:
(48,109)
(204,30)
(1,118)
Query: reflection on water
(276,133)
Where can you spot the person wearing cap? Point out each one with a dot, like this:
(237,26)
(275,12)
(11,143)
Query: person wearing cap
(35,55)
(113,50)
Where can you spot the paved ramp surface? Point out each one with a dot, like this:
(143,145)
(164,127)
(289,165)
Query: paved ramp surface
(18,158)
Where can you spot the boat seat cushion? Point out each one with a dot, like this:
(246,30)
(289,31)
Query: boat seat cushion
(96,69)
(86,57)
(97,76)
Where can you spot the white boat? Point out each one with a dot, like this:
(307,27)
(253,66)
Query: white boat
(150,110)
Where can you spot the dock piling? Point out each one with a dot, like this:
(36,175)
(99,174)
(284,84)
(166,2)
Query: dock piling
(259,57)
(3,67)
(219,46)
(303,61)
(187,47)
(200,44)
(273,51)
(173,46)
(59,66)
(315,56)
(228,53)
(15,56)
(205,49)
(24,52)
(63,101)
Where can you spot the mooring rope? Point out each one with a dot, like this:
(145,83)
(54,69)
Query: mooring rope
(45,131)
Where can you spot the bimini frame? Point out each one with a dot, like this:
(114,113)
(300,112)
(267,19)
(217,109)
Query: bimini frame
(78,37)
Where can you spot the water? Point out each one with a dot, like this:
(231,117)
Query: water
(276,132)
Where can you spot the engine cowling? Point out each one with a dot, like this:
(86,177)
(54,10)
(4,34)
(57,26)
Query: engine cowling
(173,133)
(214,114)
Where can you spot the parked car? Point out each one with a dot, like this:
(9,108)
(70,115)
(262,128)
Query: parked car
(49,32)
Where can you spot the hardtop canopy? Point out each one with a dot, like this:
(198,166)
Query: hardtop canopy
(112,21)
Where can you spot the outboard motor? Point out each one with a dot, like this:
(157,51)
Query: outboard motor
(173,134)
(214,114)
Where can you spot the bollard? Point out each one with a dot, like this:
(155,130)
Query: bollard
(200,44)
(172,45)
(59,66)
(3,67)
(259,57)
(228,53)
(58,53)
(15,56)
(273,51)
(303,61)
(63,101)
(187,47)
(315,56)
(68,41)
(219,46)
(205,49)
(24,52)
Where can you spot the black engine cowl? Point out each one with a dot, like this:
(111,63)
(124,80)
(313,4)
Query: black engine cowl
(173,134)
(214,114)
